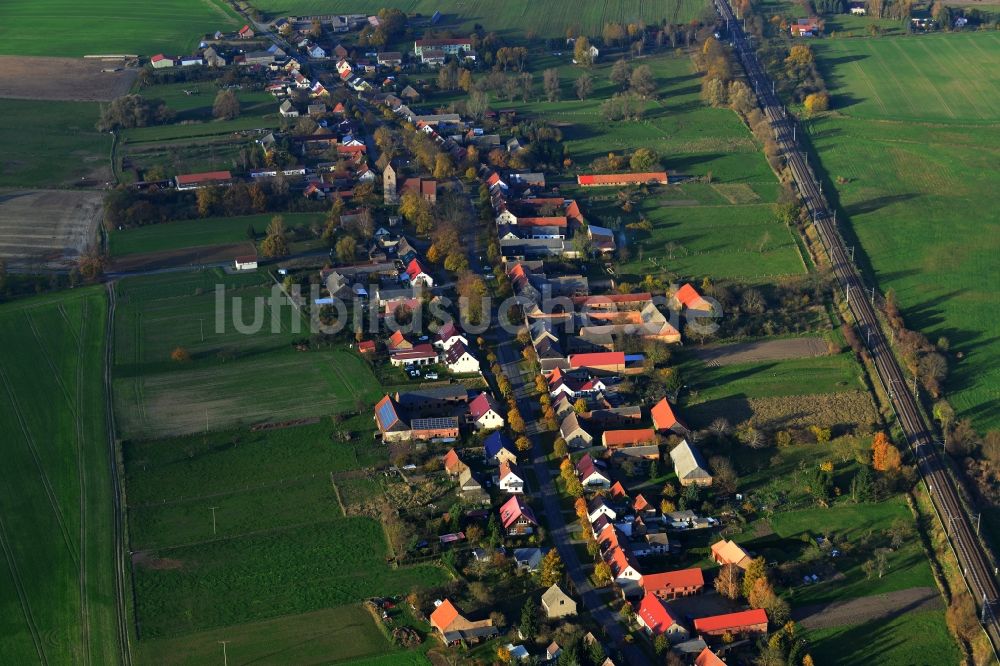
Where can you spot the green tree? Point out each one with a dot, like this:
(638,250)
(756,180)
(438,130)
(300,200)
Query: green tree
(226,105)
(581,52)
(642,82)
(528,626)
(584,86)
(551,569)
(644,159)
(275,244)
(620,73)
(346,248)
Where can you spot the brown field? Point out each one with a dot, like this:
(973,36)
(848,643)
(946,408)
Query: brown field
(767,350)
(194,256)
(865,609)
(828,409)
(47,228)
(71,79)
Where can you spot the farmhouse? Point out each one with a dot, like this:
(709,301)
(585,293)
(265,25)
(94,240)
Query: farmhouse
(809,27)
(440,428)
(729,552)
(453,465)
(557,603)
(435,401)
(622,179)
(453,627)
(390,59)
(447,46)
(160,61)
(613,362)
(689,465)
(753,622)
(653,616)
(246,32)
(195,181)
(392,427)
(621,439)
(517,517)
(673,584)
(420,355)
(485,413)
(246,262)
(288,110)
(688,297)
(468,484)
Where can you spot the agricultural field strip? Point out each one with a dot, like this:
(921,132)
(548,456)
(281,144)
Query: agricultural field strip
(962,89)
(923,77)
(22,594)
(888,75)
(981,78)
(233,491)
(42,474)
(277,529)
(871,88)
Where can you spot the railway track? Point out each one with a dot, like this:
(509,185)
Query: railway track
(977,569)
(121,551)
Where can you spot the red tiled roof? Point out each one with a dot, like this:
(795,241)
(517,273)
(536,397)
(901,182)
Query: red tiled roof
(190,178)
(618,490)
(689,296)
(663,416)
(418,352)
(482,404)
(451,460)
(731,621)
(397,338)
(158,57)
(708,658)
(620,560)
(366,346)
(629,437)
(444,615)
(640,504)
(655,614)
(513,509)
(668,580)
(541,221)
(616,178)
(413,269)
(611,298)
(596,359)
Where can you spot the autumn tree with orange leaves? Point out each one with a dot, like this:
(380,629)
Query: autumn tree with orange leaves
(885,456)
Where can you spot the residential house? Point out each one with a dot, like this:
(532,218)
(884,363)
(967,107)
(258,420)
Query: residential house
(618,492)
(553,651)
(510,479)
(574,434)
(398,342)
(624,569)
(422,187)
(590,475)
(498,448)
(557,604)
(673,584)
(621,439)
(690,466)
(517,517)
(454,628)
(366,346)
(729,552)
(389,422)
(748,622)
(527,559)
(195,181)
(388,178)
(654,616)
(597,507)
(622,179)
(422,354)
(807,27)
(390,59)
(447,46)
(416,274)
(468,484)
(246,262)
(453,465)
(485,413)
(213,58)
(664,419)
(688,297)
(288,110)
(459,360)
(246,32)
(657,543)
(409,93)
(448,335)
(608,362)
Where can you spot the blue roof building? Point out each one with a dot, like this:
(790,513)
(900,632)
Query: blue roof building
(498,447)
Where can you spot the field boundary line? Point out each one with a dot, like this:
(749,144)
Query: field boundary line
(878,58)
(273,530)
(920,73)
(336,493)
(44,477)
(48,360)
(224,493)
(871,87)
(22,594)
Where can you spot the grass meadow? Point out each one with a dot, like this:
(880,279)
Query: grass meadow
(349,632)
(912,152)
(67,28)
(199,233)
(221,386)
(56,531)
(512,18)
(51,144)
(910,639)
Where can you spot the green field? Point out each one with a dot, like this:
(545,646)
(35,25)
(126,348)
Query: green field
(67,28)
(921,197)
(348,632)
(57,597)
(770,379)
(516,17)
(51,144)
(199,233)
(222,385)
(911,639)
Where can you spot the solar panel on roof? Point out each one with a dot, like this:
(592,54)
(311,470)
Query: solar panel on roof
(386,414)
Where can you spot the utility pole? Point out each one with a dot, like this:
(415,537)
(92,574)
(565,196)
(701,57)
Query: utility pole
(873,295)
(851,250)
(225,657)
(213,508)
(979,517)
(848,293)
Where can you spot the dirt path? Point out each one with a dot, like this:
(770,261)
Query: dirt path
(765,350)
(865,609)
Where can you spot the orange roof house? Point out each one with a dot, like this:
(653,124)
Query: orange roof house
(744,622)
(398,342)
(688,297)
(708,658)
(673,584)
(665,420)
(620,439)
(425,188)
(366,346)
(622,179)
(657,619)
(729,552)
(453,464)
(454,627)
(618,491)
(606,361)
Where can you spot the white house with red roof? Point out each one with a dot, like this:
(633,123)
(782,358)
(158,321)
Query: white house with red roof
(517,517)
(246,32)
(509,479)
(417,275)
(657,619)
(160,61)
(597,507)
(460,360)
(590,475)
(422,354)
(624,568)
(485,413)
